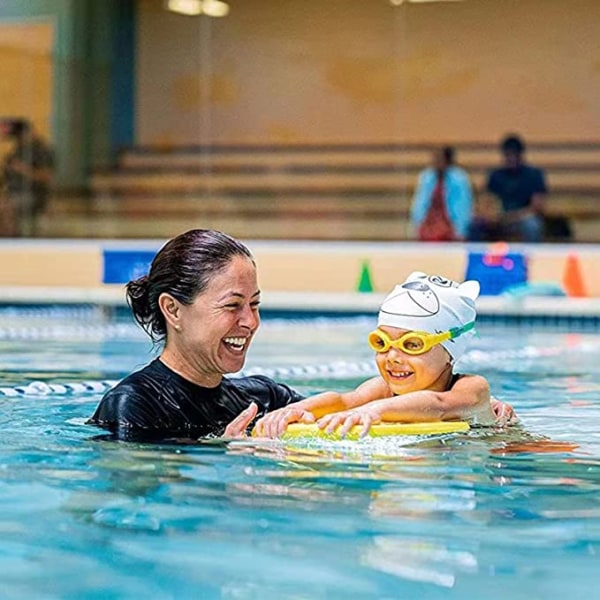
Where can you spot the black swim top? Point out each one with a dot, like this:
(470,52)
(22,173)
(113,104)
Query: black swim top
(156,404)
(455,377)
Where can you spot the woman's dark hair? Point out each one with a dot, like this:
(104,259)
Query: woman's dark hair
(182,268)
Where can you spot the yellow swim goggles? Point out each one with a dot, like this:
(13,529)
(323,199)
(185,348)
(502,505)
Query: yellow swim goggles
(415,342)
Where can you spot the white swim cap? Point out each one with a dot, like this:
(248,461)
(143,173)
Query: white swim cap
(433,304)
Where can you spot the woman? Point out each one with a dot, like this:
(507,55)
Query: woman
(201,298)
(442,205)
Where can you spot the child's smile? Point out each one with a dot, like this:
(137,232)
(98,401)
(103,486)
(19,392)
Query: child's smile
(407,373)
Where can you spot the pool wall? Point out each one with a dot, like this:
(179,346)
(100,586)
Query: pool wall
(96,270)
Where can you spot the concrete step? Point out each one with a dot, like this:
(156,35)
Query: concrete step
(295,184)
(276,227)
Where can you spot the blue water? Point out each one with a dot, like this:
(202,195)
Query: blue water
(489,514)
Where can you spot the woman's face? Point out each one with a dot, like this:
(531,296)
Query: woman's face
(409,373)
(214,332)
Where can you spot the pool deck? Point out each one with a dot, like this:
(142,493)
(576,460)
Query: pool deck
(302,275)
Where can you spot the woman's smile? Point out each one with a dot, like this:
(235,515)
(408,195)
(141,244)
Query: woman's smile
(236,344)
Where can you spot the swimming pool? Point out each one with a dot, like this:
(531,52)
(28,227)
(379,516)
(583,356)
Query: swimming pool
(484,515)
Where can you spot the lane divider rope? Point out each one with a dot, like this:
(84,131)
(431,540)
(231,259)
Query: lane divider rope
(21,329)
(41,388)
(335,370)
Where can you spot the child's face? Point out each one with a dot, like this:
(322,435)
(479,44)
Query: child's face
(409,373)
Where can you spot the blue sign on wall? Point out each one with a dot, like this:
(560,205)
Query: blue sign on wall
(121,266)
(496,272)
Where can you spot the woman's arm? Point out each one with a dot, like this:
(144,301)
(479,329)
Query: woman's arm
(274,423)
(468,399)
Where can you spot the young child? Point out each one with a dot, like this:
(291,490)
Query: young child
(424,327)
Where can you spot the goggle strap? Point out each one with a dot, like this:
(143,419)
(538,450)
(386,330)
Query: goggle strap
(457,331)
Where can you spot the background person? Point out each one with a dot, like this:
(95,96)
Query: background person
(521,190)
(442,205)
(27,174)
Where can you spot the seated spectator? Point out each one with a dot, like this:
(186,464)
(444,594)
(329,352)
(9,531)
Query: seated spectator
(521,190)
(27,175)
(485,226)
(443,202)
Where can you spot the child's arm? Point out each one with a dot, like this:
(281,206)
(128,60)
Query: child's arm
(309,409)
(469,399)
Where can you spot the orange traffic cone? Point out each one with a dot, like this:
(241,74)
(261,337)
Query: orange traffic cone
(572,279)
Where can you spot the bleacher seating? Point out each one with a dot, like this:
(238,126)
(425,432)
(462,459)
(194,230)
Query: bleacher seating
(360,191)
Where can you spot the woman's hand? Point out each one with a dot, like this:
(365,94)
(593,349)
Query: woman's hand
(237,427)
(505,413)
(347,419)
(273,424)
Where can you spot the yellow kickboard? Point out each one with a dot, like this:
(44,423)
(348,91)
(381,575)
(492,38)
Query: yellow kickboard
(308,430)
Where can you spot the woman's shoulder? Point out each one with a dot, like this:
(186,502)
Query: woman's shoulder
(137,387)
(154,371)
(135,402)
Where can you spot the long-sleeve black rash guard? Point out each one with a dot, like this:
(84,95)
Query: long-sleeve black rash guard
(156,404)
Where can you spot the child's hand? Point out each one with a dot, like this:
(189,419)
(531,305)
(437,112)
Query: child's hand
(273,424)
(347,419)
(505,413)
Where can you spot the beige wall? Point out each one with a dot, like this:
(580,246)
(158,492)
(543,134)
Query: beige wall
(26,71)
(323,268)
(364,70)
(287,266)
(51,264)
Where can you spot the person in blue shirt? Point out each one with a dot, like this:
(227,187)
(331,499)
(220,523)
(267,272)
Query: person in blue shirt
(442,205)
(521,190)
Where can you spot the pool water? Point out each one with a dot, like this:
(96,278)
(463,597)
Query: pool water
(489,514)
